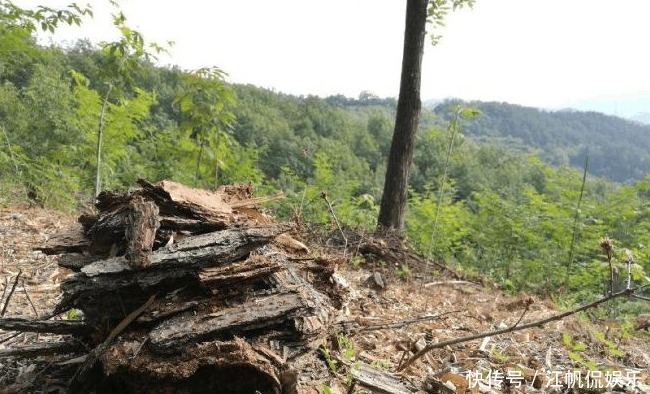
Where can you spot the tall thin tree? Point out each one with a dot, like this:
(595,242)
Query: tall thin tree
(418,12)
(393,202)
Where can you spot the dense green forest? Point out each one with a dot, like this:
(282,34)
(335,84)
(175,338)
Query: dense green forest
(495,188)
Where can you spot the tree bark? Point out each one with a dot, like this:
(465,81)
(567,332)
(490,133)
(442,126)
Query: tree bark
(393,203)
(141,226)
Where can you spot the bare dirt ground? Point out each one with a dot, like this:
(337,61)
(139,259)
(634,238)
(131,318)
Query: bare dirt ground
(557,357)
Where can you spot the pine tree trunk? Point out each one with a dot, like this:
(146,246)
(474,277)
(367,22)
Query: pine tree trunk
(393,203)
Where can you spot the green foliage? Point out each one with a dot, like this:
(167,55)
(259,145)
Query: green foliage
(403,271)
(332,364)
(498,356)
(610,348)
(121,132)
(576,352)
(437,227)
(325,389)
(204,102)
(304,197)
(346,347)
(437,12)
(72,314)
(486,199)
(44,17)
(122,59)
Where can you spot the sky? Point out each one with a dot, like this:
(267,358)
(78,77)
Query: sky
(542,53)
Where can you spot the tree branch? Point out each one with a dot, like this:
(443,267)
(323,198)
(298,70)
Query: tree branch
(11,292)
(428,348)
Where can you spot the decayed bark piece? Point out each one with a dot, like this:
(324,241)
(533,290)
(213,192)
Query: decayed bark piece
(107,233)
(111,200)
(50,326)
(200,251)
(73,242)
(141,226)
(175,334)
(236,192)
(195,226)
(76,261)
(105,297)
(296,309)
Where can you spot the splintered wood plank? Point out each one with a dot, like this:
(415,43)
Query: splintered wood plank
(141,226)
(200,251)
(253,268)
(175,199)
(378,381)
(175,334)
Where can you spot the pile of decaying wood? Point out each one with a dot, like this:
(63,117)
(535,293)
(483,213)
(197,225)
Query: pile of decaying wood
(182,288)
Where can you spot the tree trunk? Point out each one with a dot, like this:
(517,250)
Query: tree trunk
(393,203)
(100,137)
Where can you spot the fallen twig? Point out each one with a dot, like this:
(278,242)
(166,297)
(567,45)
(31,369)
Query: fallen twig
(4,289)
(41,349)
(336,220)
(529,302)
(11,292)
(398,323)
(29,299)
(515,327)
(10,337)
(448,283)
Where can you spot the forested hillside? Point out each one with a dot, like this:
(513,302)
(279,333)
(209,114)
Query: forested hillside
(481,194)
(618,149)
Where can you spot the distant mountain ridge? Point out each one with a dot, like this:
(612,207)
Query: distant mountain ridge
(642,118)
(628,105)
(618,149)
